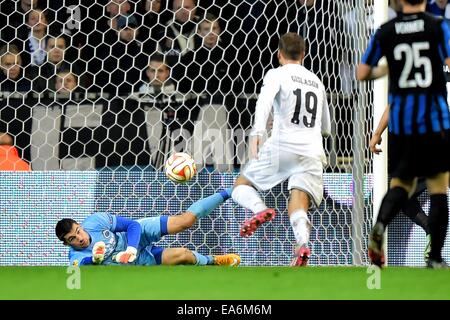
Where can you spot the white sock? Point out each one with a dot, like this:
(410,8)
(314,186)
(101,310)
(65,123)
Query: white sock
(249,198)
(301,226)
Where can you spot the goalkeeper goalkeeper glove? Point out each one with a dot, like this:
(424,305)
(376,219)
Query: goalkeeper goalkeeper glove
(126,256)
(98,252)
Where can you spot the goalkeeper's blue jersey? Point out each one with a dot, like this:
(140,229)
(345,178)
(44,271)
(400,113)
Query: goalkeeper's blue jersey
(100,226)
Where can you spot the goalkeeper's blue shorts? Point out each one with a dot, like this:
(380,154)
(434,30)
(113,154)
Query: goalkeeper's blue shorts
(152,229)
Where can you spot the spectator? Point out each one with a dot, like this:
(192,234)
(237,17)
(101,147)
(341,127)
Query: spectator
(27,5)
(213,82)
(56,46)
(152,29)
(35,36)
(208,74)
(101,40)
(65,82)
(9,156)
(11,78)
(318,21)
(14,110)
(55,63)
(158,74)
(179,34)
(152,5)
(127,26)
(177,112)
(14,14)
(115,9)
(123,66)
(206,69)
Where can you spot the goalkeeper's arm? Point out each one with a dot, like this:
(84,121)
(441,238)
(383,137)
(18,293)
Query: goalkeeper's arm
(133,229)
(86,261)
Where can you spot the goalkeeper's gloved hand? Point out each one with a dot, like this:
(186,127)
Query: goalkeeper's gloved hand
(98,252)
(126,256)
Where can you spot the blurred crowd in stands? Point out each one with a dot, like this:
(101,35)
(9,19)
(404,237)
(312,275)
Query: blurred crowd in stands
(184,62)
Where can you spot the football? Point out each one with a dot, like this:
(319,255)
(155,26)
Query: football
(180,167)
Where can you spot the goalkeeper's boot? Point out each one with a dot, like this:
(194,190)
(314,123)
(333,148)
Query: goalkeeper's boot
(376,250)
(249,227)
(231,259)
(302,255)
(426,253)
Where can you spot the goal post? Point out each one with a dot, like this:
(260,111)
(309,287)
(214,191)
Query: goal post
(380,100)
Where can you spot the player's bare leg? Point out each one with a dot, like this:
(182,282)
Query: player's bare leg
(176,224)
(175,256)
(247,196)
(249,226)
(197,210)
(179,223)
(298,206)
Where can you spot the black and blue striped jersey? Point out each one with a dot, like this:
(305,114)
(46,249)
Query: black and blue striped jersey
(415,46)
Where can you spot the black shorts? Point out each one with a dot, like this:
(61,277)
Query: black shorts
(419,155)
(421,187)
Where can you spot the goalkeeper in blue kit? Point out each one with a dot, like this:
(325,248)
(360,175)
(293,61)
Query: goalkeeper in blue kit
(107,239)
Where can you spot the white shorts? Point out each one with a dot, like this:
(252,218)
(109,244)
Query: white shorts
(273,167)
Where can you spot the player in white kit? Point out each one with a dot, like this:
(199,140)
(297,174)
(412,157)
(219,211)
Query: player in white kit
(294,149)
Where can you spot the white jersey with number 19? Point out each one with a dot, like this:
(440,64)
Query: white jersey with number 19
(300,111)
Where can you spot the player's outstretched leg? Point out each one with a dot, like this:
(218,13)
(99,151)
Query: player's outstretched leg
(178,256)
(247,196)
(205,206)
(249,226)
(197,210)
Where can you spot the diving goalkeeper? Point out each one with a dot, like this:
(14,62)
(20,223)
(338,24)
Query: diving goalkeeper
(106,239)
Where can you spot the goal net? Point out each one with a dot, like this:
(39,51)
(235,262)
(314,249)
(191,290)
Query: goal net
(96,96)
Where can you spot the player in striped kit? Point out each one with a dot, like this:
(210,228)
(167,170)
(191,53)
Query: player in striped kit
(416,45)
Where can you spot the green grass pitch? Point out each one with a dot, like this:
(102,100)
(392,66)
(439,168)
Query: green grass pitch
(223,283)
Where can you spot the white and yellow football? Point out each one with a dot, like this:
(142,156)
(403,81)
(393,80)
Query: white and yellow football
(180,167)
